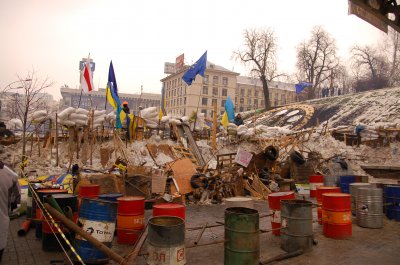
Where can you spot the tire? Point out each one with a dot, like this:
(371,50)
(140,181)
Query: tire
(271,153)
(297,157)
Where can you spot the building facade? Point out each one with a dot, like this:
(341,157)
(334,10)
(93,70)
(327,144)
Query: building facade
(97,99)
(249,94)
(182,100)
(219,83)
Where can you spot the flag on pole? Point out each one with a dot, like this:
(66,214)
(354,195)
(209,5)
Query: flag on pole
(112,88)
(163,103)
(229,113)
(87,77)
(198,67)
(230,110)
(301,86)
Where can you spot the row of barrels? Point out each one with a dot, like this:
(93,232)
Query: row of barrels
(101,215)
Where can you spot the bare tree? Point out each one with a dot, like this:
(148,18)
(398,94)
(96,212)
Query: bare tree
(27,96)
(372,67)
(392,46)
(316,59)
(259,53)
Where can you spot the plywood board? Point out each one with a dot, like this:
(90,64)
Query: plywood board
(161,154)
(183,170)
(158,182)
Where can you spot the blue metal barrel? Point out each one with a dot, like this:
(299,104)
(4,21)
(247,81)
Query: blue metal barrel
(345,182)
(391,195)
(110,196)
(97,217)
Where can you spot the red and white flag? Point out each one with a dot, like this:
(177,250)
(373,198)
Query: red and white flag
(87,77)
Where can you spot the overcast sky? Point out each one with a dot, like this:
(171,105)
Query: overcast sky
(52,36)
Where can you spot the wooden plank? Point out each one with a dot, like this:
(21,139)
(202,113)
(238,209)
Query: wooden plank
(183,170)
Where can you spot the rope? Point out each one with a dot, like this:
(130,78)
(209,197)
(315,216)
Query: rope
(43,209)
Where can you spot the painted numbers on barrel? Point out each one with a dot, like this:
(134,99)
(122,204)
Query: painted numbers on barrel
(167,256)
(102,231)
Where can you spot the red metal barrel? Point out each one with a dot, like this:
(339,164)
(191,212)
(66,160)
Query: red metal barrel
(315,181)
(89,191)
(274,202)
(321,190)
(336,215)
(169,209)
(130,219)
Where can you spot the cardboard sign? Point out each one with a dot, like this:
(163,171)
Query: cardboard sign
(243,157)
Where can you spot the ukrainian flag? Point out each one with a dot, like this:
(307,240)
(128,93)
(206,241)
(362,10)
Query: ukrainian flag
(112,95)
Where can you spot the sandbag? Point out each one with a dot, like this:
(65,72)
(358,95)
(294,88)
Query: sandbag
(67,123)
(98,120)
(65,113)
(39,114)
(75,116)
(99,112)
(148,112)
(80,122)
(165,119)
(82,111)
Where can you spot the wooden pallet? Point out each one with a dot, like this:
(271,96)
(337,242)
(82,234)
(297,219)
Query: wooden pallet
(181,151)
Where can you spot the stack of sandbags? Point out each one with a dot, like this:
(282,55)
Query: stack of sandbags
(39,116)
(110,117)
(242,129)
(99,118)
(151,116)
(14,124)
(73,117)
(249,133)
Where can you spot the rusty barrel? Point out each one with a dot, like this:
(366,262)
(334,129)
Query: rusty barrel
(50,234)
(321,190)
(274,203)
(315,181)
(242,239)
(169,209)
(370,208)
(130,219)
(166,241)
(97,217)
(353,193)
(336,215)
(296,220)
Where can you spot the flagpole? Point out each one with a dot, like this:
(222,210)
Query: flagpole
(197,110)
(79,103)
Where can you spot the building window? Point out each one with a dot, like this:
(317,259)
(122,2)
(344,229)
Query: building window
(214,101)
(205,90)
(249,92)
(224,92)
(215,91)
(223,103)
(184,100)
(256,93)
(204,111)
(215,80)
(249,101)
(255,102)
(242,92)
(205,79)
(180,101)
(204,101)
(241,101)
(225,81)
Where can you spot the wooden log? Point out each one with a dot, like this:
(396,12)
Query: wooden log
(74,227)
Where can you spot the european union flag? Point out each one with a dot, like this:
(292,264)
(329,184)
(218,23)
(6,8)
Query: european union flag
(301,86)
(198,68)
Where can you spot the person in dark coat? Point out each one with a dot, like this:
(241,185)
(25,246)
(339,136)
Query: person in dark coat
(125,107)
(238,120)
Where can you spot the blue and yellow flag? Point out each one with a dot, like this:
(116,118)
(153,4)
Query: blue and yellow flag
(229,109)
(112,95)
(162,105)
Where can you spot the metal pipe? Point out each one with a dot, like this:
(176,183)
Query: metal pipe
(200,234)
(71,225)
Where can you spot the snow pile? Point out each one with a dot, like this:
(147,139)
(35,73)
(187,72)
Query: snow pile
(14,124)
